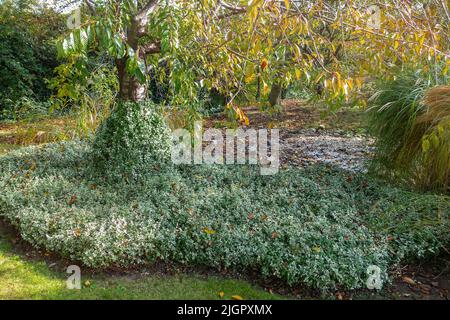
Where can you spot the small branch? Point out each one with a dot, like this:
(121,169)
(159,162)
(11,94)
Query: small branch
(151,48)
(91,6)
(231,7)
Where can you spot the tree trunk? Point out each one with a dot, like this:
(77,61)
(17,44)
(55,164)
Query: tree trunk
(129,87)
(275,94)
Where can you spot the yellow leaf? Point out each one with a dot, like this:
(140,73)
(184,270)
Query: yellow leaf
(221,294)
(229,35)
(265,88)
(425,145)
(208,231)
(319,77)
(297,51)
(317,249)
(287,4)
(237,298)
(77,232)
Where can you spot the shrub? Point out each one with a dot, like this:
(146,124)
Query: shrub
(133,139)
(318,226)
(434,125)
(27,57)
(407,129)
(90,94)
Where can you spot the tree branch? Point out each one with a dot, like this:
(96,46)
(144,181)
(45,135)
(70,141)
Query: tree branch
(91,6)
(147,9)
(231,7)
(151,48)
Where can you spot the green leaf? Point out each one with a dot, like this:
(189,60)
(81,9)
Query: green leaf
(141,72)
(131,66)
(119,46)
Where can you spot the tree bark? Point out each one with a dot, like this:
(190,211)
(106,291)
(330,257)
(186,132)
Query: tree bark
(130,89)
(275,94)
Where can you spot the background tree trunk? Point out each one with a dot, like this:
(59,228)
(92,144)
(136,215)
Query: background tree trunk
(275,94)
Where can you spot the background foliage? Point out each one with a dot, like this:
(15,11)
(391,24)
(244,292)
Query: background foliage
(410,117)
(27,57)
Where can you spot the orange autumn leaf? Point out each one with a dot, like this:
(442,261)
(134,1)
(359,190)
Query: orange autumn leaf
(264,64)
(72,200)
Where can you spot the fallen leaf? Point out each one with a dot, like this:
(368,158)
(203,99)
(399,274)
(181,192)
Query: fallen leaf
(425,291)
(208,231)
(317,249)
(72,200)
(274,235)
(87,283)
(251,216)
(408,280)
(236,298)
(221,294)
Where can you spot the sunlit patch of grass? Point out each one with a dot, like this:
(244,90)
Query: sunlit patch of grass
(36,132)
(6,147)
(22,278)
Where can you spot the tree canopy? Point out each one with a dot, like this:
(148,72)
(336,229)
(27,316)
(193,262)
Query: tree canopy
(237,46)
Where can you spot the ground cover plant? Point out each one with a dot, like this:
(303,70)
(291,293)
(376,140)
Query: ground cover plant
(319,226)
(99,188)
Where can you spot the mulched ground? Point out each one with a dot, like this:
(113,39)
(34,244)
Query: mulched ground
(308,138)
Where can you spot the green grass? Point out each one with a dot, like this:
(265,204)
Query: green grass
(5,148)
(24,278)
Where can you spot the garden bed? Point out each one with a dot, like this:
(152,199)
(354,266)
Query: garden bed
(319,226)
